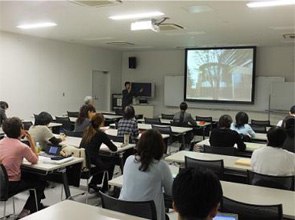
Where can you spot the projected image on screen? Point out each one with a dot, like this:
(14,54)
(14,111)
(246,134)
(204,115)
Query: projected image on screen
(220,74)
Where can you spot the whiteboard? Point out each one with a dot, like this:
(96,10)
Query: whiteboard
(173,90)
(174,94)
(282,96)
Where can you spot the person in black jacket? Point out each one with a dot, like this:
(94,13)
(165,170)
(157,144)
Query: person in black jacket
(92,140)
(3,107)
(289,126)
(128,94)
(223,136)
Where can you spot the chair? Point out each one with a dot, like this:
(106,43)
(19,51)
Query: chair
(278,182)
(152,120)
(206,129)
(214,165)
(167,116)
(73,114)
(260,126)
(146,209)
(65,121)
(116,138)
(251,211)
(231,151)
(163,129)
(73,133)
(179,124)
(4,196)
(27,125)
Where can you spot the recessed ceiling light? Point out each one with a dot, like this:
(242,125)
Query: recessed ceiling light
(198,9)
(270,3)
(136,16)
(36,25)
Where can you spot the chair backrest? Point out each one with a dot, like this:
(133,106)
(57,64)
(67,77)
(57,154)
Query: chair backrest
(116,138)
(214,165)
(3,183)
(220,150)
(167,116)
(65,121)
(179,124)
(163,129)
(260,123)
(259,128)
(73,133)
(146,209)
(206,119)
(152,120)
(27,124)
(73,114)
(278,182)
(251,211)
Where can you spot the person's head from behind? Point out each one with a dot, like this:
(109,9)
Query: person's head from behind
(129,112)
(276,136)
(96,122)
(127,85)
(88,100)
(150,147)
(183,106)
(86,111)
(196,194)
(290,126)
(241,119)
(44,118)
(4,105)
(292,111)
(225,121)
(12,127)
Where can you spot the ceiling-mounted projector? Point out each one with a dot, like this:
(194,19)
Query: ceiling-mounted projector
(149,24)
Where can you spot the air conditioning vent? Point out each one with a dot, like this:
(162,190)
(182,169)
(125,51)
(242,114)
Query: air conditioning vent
(120,43)
(289,36)
(170,27)
(96,3)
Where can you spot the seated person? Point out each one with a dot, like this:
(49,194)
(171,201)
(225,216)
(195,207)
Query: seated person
(196,194)
(42,134)
(183,116)
(86,112)
(146,174)
(128,125)
(92,140)
(3,108)
(13,151)
(224,137)
(289,143)
(273,160)
(241,126)
(88,100)
(291,113)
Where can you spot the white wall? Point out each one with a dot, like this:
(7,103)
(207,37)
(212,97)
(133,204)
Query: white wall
(35,72)
(154,65)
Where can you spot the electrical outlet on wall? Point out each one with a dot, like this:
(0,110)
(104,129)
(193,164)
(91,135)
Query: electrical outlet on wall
(63,94)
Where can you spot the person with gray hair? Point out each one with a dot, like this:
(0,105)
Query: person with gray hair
(88,100)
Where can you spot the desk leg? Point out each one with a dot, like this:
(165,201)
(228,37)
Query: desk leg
(204,129)
(121,162)
(66,183)
(183,141)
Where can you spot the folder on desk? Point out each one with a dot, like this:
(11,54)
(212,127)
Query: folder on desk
(48,160)
(243,162)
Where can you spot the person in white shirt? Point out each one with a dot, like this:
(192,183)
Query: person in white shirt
(291,113)
(273,160)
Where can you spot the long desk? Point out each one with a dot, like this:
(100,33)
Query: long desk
(249,145)
(245,193)
(42,168)
(71,210)
(114,132)
(229,161)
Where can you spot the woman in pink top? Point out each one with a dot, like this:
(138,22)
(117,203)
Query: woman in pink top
(12,153)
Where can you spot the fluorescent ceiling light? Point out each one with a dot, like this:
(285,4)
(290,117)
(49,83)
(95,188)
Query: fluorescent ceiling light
(37,25)
(136,16)
(270,3)
(141,25)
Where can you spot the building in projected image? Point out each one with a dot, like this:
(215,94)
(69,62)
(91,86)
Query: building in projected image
(220,74)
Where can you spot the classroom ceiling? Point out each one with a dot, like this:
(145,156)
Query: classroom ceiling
(223,23)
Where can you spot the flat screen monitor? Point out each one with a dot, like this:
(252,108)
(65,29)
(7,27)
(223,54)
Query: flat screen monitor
(220,74)
(143,89)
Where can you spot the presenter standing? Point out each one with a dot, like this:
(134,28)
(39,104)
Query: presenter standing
(128,95)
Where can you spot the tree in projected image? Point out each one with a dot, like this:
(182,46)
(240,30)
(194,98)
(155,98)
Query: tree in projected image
(219,74)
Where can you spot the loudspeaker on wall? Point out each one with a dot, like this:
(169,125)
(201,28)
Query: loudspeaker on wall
(132,62)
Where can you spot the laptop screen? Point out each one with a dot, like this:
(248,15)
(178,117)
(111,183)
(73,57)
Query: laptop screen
(225,216)
(53,150)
